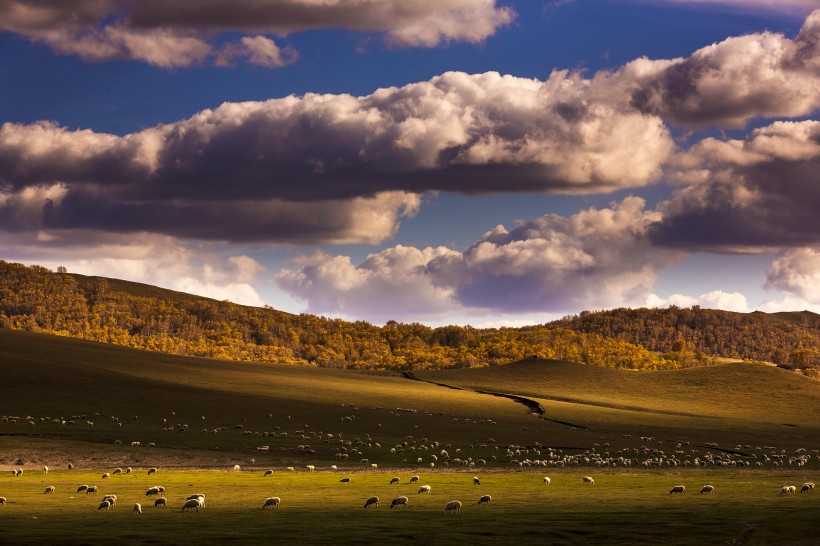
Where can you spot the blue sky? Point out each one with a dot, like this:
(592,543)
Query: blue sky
(484,162)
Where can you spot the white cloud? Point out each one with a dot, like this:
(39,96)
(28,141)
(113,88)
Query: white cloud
(258,50)
(797,273)
(595,258)
(717,299)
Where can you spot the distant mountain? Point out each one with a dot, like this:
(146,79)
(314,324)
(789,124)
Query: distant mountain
(790,339)
(136,315)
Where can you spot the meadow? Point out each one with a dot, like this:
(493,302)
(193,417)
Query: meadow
(746,429)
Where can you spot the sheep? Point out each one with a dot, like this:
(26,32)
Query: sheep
(117,471)
(371,501)
(678,489)
(137,508)
(91,489)
(424,489)
(808,486)
(707,489)
(394,480)
(82,488)
(191,503)
(161,501)
(787,490)
(111,498)
(485,499)
(291,469)
(476,480)
(589,480)
(104,505)
(45,469)
(152,491)
(267,473)
(414,479)
(161,489)
(106,475)
(310,468)
(399,501)
(374,466)
(152,471)
(129,470)
(49,489)
(452,507)
(547,481)
(71,466)
(272,502)
(236,468)
(2,501)
(344,480)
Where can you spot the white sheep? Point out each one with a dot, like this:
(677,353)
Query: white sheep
(547,481)
(271,502)
(290,469)
(788,490)
(485,499)
(267,473)
(152,491)
(45,469)
(414,479)
(707,489)
(2,501)
(129,470)
(236,468)
(104,505)
(678,489)
(476,481)
(394,480)
(808,486)
(91,489)
(452,507)
(399,501)
(589,480)
(111,498)
(191,503)
(82,488)
(117,471)
(49,489)
(310,468)
(138,508)
(106,475)
(371,501)
(374,466)
(161,501)
(424,489)
(152,471)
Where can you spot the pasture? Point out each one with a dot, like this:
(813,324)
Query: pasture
(623,507)
(746,429)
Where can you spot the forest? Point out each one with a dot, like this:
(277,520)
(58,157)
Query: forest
(34,298)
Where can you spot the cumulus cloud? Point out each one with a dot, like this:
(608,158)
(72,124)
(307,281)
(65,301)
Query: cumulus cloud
(549,264)
(172,34)
(746,195)
(142,257)
(728,83)
(797,273)
(717,299)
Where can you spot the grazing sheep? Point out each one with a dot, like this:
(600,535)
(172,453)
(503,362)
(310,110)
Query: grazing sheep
(117,471)
(344,480)
(476,480)
(152,491)
(161,501)
(129,470)
(808,486)
(3,501)
(106,475)
(104,505)
(196,496)
(399,501)
(485,499)
(371,501)
(191,503)
(272,502)
(394,480)
(268,473)
(138,508)
(152,471)
(707,489)
(82,488)
(414,479)
(678,489)
(788,490)
(290,469)
(374,466)
(45,469)
(236,468)
(111,498)
(424,489)
(589,480)
(310,468)
(91,489)
(71,466)
(547,481)
(452,507)
(49,489)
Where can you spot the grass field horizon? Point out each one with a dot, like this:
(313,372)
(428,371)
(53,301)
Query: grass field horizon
(740,414)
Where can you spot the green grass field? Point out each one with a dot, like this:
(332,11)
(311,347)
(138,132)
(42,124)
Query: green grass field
(306,416)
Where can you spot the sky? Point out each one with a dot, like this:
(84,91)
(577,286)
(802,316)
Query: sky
(483,162)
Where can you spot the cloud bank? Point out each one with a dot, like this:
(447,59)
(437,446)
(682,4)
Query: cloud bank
(176,34)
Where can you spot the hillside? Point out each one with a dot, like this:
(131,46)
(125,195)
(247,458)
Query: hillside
(147,317)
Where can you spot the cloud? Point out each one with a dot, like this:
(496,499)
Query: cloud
(795,6)
(549,264)
(797,273)
(728,83)
(142,257)
(174,34)
(746,195)
(717,299)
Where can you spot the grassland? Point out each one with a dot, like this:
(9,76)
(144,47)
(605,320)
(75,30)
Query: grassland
(148,397)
